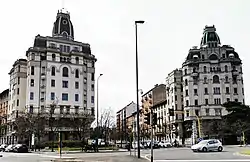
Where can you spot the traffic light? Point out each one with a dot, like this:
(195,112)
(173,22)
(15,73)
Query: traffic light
(171,112)
(154,118)
(147,119)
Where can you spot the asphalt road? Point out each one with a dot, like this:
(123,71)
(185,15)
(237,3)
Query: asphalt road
(230,153)
(160,155)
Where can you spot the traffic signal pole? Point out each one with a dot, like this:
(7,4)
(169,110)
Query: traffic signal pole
(152,124)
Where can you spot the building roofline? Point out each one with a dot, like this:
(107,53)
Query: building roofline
(124,107)
(157,85)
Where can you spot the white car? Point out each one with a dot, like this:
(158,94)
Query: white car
(208,145)
(165,144)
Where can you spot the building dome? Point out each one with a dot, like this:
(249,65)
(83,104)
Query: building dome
(210,37)
(63,27)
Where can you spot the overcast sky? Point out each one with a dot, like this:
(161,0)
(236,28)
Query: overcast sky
(172,27)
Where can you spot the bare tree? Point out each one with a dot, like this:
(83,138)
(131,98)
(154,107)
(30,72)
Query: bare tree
(107,122)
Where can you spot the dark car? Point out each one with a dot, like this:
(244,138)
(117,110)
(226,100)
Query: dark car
(21,148)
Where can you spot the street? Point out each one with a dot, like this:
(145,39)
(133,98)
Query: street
(230,153)
(160,155)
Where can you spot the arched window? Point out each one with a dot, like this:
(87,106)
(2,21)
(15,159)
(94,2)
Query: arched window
(186,82)
(77,73)
(205,69)
(205,80)
(77,60)
(53,57)
(226,79)
(32,56)
(53,71)
(216,79)
(65,72)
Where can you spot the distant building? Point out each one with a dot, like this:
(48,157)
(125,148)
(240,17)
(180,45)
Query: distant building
(212,75)
(4,99)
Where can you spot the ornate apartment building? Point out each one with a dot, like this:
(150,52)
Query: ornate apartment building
(212,75)
(58,77)
(4,99)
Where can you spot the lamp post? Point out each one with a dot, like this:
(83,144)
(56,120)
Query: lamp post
(97,108)
(137,89)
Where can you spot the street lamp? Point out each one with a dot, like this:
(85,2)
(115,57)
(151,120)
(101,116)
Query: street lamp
(97,101)
(137,89)
(97,108)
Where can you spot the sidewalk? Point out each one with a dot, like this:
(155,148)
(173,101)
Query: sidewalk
(126,158)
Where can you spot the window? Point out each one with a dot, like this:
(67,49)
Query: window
(65,84)
(206,91)
(18,91)
(227,90)
(195,92)
(77,73)
(92,87)
(31,95)
(18,80)
(32,70)
(77,60)
(53,57)
(32,82)
(65,96)
(202,57)
(92,99)
(186,92)
(92,111)
(19,68)
(185,71)
(196,102)
(228,99)
(187,113)
(195,79)
(186,82)
(206,101)
(76,97)
(52,96)
(205,69)
(187,103)
(217,111)
(216,79)
(223,55)
(76,85)
(53,83)
(65,72)
(197,112)
(205,80)
(217,101)
(32,56)
(216,90)
(226,79)
(234,79)
(236,100)
(235,91)
(17,102)
(31,109)
(92,76)
(53,71)
(243,91)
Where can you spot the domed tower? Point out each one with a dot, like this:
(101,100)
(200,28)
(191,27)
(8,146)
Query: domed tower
(63,27)
(210,37)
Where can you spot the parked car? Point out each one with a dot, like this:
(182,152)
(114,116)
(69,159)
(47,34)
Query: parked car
(21,148)
(208,145)
(9,148)
(165,144)
(2,147)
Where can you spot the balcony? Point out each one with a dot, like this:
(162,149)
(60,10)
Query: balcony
(195,74)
